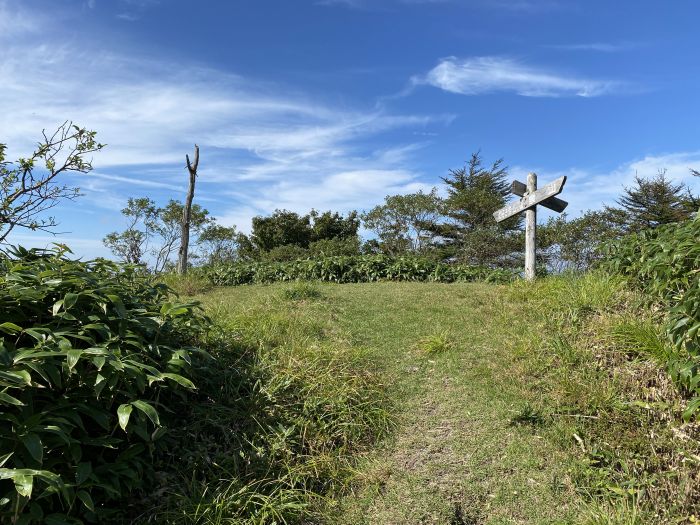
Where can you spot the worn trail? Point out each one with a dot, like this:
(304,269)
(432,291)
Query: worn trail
(455,456)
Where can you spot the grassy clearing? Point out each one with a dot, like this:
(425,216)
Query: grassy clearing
(456,404)
(279,417)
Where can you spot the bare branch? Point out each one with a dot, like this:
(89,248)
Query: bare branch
(28,187)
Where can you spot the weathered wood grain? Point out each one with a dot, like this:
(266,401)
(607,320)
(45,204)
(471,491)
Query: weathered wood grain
(531,199)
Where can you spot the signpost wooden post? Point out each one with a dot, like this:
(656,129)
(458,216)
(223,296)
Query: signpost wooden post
(530,198)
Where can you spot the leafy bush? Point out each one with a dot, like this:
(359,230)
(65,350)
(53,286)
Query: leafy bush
(333,247)
(665,263)
(92,354)
(353,269)
(288,252)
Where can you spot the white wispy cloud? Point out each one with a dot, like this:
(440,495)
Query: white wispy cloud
(264,146)
(592,189)
(482,75)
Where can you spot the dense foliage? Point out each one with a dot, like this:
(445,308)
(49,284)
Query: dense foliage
(92,355)
(467,230)
(575,244)
(664,262)
(347,269)
(287,230)
(402,222)
(655,201)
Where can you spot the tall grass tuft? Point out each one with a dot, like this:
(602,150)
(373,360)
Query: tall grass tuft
(598,353)
(437,343)
(276,424)
(302,291)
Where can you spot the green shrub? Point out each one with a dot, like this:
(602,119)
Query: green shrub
(334,247)
(288,252)
(665,263)
(353,269)
(92,354)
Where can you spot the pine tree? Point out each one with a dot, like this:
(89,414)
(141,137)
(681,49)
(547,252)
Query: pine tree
(655,201)
(470,232)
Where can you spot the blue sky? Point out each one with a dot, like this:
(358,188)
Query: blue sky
(334,104)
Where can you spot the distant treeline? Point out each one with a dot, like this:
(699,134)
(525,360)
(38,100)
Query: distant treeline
(452,224)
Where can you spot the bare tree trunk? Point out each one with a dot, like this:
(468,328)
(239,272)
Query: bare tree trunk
(186,212)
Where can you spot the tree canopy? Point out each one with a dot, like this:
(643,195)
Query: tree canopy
(403,222)
(153,231)
(286,234)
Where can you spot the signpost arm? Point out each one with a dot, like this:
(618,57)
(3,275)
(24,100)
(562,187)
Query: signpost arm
(530,229)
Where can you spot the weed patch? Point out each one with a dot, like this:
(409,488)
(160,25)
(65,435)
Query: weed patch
(436,344)
(529,416)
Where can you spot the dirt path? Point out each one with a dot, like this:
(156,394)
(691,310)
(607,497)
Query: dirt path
(455,457)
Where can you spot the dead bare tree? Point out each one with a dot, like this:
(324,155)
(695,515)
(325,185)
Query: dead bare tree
(187,212)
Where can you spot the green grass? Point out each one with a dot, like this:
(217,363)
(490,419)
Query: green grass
(465,403)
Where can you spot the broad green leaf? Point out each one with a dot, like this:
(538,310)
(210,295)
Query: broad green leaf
(16,377)
(99,362)
(23,484)
(84,496)
(148,410)
(123,413)
(57,307)
(180,380)
(7,399)
(33,444)
(83,472)
(36,334)
(118,305)
(10,328)
(73,357)
(69,300)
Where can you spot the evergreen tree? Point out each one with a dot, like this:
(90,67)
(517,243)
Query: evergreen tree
(470,232)
(655,201)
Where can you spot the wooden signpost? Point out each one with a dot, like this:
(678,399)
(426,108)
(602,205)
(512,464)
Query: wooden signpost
(530,198)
